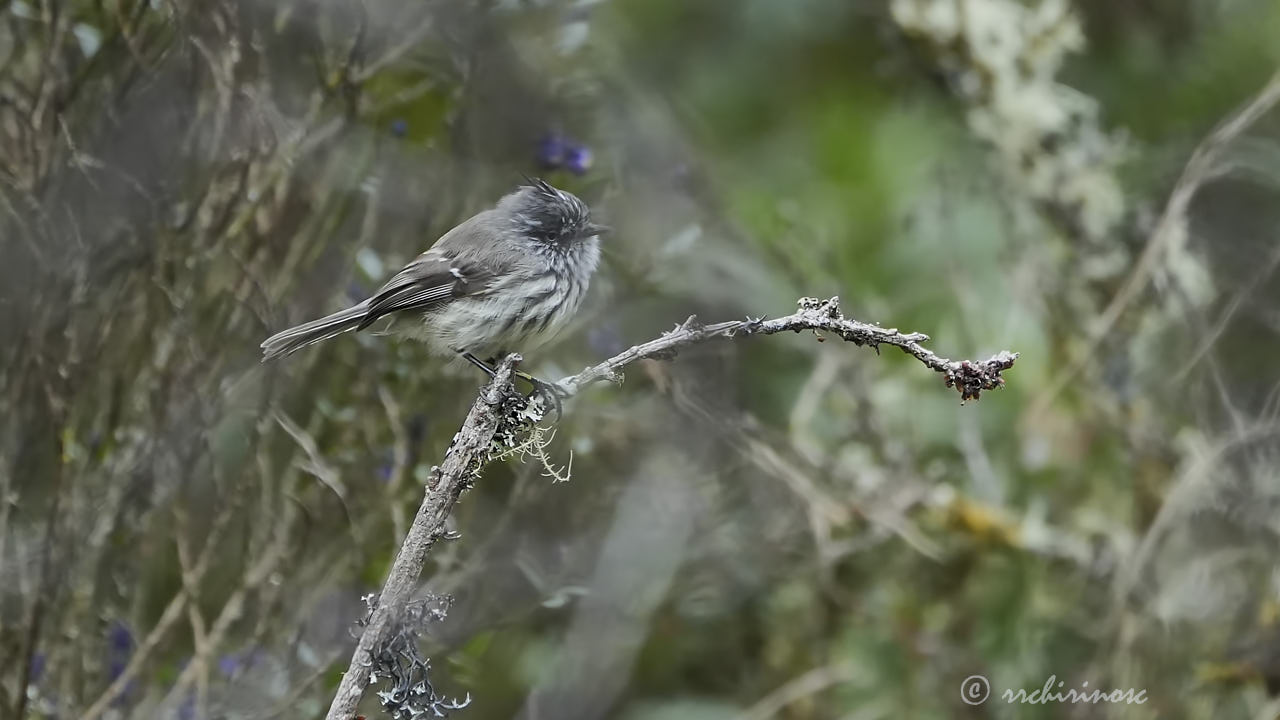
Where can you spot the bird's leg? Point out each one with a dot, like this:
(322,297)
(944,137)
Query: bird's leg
(550,391)
(487,367)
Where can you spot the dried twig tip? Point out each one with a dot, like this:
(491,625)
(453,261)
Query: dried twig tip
(971,378)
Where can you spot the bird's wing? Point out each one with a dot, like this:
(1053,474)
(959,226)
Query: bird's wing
(433,278)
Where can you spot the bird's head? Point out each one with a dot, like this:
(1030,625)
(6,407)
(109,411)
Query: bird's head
(551,215)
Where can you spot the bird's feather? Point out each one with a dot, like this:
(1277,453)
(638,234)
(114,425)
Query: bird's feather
(433,278)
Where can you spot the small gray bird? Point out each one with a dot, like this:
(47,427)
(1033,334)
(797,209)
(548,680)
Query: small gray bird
(506,280)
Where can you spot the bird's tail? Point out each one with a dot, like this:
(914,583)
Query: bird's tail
(296,338)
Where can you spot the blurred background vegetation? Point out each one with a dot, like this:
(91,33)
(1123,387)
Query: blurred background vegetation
(765,528)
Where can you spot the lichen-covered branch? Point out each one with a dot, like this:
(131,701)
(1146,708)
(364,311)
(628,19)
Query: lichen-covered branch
(467,453)
(968,377)
(500,413)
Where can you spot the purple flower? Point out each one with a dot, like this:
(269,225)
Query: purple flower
(119,648)
(228,664)
(399,127)
(187,710)
(235,662)
(388,462)
(551,150)
(119,637)
(578,159)
(37,667)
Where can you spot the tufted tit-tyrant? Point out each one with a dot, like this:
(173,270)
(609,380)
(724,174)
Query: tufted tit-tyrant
(507,279)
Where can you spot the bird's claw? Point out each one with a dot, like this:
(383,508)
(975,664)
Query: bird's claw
(552,393)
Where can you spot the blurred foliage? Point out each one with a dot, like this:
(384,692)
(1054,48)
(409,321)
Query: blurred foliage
(764,528)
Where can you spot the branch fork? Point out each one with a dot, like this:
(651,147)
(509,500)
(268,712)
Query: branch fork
(500,415)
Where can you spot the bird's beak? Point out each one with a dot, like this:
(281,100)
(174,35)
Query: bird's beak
(595,229)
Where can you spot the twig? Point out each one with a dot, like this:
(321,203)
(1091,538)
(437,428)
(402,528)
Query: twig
(199,628)
(400,459)
(233,608)
(1171,227)
(46,584)
(168,619)
(412,39)
(968,377)
(172,613)
(500,412)
(825,510)
(288,705)
(810,683)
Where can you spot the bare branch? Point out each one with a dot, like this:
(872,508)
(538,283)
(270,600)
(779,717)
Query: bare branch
(500,413)
(968,377)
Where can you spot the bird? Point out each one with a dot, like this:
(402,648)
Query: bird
(507,279)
